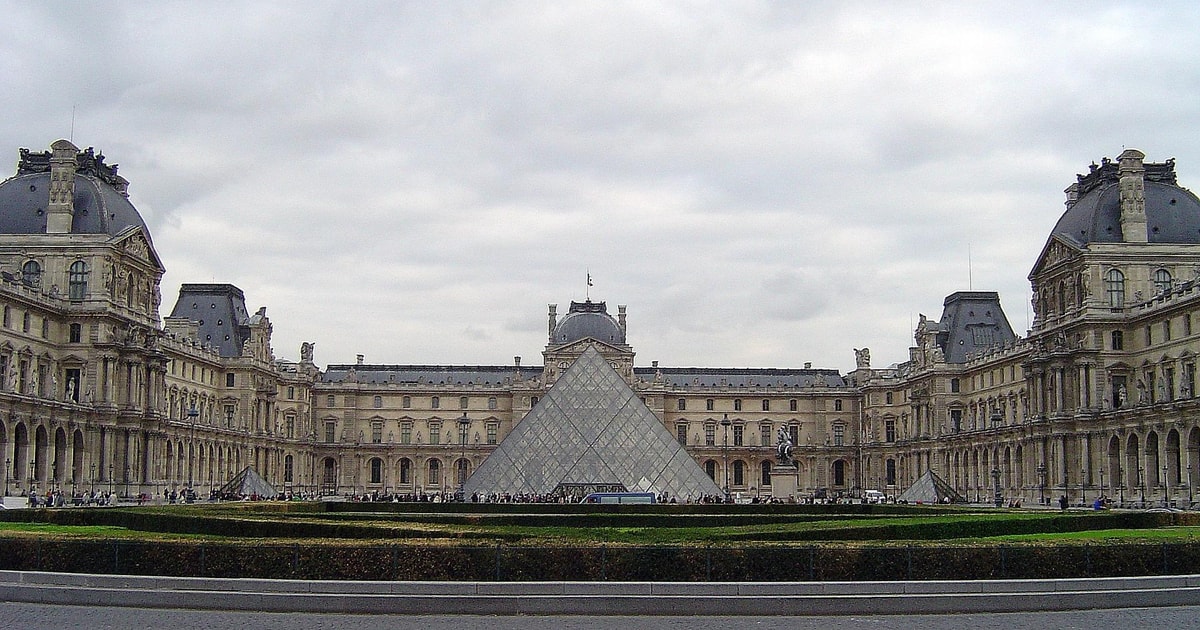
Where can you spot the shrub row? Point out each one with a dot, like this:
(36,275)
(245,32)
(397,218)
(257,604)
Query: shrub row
(255,524)
(682,564)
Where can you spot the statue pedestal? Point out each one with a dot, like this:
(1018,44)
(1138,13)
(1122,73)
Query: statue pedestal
(785,480)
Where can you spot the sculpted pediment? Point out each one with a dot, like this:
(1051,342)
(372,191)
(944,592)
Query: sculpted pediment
(1056,252)
(134,243)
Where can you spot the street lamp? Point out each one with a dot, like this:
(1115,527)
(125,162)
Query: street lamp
(1189,485)
(1102,482)
(1041,470)
(999,497)
(32,474)
(93,477)
(127,482)
(7,463)
(464,427)
(1166,485)
(193,413)
(1141,481)
(725,423)
(110,478)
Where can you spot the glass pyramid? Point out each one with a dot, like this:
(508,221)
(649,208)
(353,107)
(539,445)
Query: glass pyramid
(590,433)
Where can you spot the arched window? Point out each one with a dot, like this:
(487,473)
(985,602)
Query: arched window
(463,467)
(405,471)
(1114,286)
(765,478)
(710,469)
(739,473)
(1162,282)
(77,280)
(330,471)
(890,472)
(31,273)
(288,469)
(435,472)
(377,402)
(839,473)
(376,465)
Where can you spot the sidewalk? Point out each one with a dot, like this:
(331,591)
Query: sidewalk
(599,598)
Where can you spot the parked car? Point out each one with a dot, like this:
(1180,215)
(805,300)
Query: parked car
(873,496)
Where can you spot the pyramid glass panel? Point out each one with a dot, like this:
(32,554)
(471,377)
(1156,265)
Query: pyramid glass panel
(590,429)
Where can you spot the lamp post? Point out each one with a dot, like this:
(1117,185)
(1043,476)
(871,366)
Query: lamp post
(7,463)
(1102,482)
(464,427)
(1083,486)
(32,475)
(1166,484)
(725,423)
(1041,470)
(92,477)
(1189,485)
(110,478)
(1141,482)
(127,482)
(193,413)
(999,496)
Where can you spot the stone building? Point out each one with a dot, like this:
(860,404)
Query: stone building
(96,392)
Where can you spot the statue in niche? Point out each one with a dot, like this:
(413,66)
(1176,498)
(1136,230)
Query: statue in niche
(784,447)
(1143,393)
(14,381)
(70,391)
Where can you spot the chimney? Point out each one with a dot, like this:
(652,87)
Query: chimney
(1133,196)
(621,318)
(517,361)
(360,359)
(553,321)
(60,214)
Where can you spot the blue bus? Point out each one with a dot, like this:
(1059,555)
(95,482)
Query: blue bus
(620,497)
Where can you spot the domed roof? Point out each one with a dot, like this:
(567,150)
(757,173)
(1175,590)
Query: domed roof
(587,320)
(100,203)
(1172,213)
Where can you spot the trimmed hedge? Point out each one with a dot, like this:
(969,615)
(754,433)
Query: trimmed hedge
(675,564)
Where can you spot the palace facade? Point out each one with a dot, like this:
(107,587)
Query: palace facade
(98,392)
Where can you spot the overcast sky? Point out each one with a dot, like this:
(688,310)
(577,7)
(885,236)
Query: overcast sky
(763,184)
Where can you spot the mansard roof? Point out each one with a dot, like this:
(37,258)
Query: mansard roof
(101,204)
(742,377)
(972,321)
(428,374)
(220,311)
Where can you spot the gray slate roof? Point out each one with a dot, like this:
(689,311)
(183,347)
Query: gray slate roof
(972,321)
(221,312)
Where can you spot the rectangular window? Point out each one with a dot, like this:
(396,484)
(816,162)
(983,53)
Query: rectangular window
(406,402)
(377,433)
(681,404)
(228,409)
(435,403)
(738,435)
(377,402)
(291,393)
(681,433)
(766,405)
(435,432)
(1167,330)
(955,385)
(837,404)
(889,430)
(764,434)
(839,434)
(710,434)
(1149,336)
(492,428)
(330,432)
(492,403)
(794,433)
(793,405)
(1118,340)
(45,328)
(888,397)
(75,334)
(956,420)
(230,379)
(290,427)
(737,404)
(406,433)
(708,404)
(463,402)
(1187,325)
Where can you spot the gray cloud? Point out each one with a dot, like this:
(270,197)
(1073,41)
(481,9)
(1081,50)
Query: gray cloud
(762,183)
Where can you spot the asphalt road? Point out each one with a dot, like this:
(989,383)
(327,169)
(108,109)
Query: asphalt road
(39,617)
